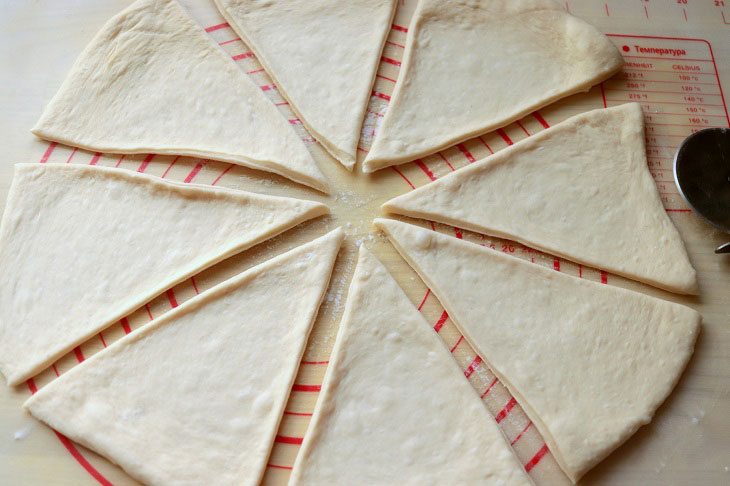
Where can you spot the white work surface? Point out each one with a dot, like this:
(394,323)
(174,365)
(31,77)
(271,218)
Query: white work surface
(681,91)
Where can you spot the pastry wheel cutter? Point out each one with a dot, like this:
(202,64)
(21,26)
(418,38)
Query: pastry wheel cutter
(702,174)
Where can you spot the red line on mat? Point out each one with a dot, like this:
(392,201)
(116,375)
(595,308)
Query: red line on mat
(399,28)
(220,176)
(390,60)
(283,439)
(604,277)
(395,44)
(314,362)
(679,210)
(385,77)
(519,124)
(48,152)
(381,95)
(425,169)
(504,136)
(603,93)
(297,414)
(229,41)
(245,55)
(125,325)
(95,158)
(68,161)
(149,312)
(268,87)
(101,336)
(428,292)
(217,27)
(556,264)
(145,163)
(466,153)
(119,162)
(489,388)
(193,172)
(55,370)
(474,364)
(171,298)
(442,319)
(404,177)
(82,460)
(519,436)
(71,448)
(164,174)
(459,235)
(458,341)
(307,388)
(536,458)
(539,118)
(79,354)
(195,286)
(503,413)
(446,160)
(279,467)
(486,145)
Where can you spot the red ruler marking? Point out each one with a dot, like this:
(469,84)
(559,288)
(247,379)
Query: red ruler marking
(440,323)
(473,366)
(283,439)
(307,388)
(503,413)
(536,458)
(217,27)
(48,152)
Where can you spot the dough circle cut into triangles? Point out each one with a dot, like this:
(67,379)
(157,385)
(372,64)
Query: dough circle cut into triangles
(82,246)
(322,55)
(589,363)
(195,397)
(581,190)
(474,66)
(152,81)
(395,408)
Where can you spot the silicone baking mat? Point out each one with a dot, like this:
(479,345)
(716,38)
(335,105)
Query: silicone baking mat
(677,65)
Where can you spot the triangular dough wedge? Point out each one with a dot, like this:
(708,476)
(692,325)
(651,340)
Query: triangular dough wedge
(472,67)
(196,396)
(581,190)
(589,363)
(82,246)
(380,419)
(322,55)
(152,81)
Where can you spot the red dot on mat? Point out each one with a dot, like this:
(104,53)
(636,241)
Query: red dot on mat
(626,48)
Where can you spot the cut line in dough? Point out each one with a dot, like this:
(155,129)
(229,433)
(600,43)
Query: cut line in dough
(589,363)
(82,246)
(581,190)
(152,81)
(195,397)
(474,66)
(380,418)
(323,56)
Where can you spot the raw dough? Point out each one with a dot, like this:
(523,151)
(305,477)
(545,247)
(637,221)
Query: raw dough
(152,81)
(196,396)
(322,55)
(581,190)
(82,246)
(473,66)
(589,363)
(381,420)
